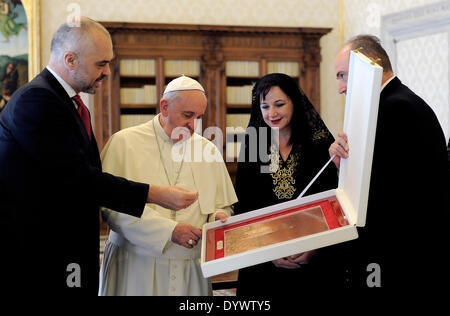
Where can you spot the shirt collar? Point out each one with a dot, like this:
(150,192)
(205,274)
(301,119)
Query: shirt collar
(159,130)
(70,91)
(387,82)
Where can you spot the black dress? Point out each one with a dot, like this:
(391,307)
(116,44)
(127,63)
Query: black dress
(256,189)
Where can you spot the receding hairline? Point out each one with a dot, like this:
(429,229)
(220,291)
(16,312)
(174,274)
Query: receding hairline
(70,37)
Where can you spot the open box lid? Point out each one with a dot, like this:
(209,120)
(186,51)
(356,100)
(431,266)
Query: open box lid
(360,121)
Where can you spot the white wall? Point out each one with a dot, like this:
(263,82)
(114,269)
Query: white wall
(290,13)
(360,16)
(423,65)
(421,62)
(364,16)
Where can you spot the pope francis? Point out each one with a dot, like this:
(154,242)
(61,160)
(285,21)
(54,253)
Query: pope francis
(158,254)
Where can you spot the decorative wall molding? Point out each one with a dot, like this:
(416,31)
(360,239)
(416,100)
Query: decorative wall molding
(416,22)
(424,33)
(212,46)
(32,10)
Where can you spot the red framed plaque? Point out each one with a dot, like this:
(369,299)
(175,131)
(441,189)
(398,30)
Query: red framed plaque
(313,221)
(274,228)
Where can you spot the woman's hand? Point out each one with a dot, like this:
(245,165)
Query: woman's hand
(285,264)
(294,261)
(302,258)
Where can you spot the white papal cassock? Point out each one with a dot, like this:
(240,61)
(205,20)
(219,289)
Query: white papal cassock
(140,258)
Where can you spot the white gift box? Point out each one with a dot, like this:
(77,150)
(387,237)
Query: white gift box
(225,249)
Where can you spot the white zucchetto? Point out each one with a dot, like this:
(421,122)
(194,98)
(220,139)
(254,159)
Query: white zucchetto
(183,83)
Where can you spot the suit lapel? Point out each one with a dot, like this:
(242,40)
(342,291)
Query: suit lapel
(68,103)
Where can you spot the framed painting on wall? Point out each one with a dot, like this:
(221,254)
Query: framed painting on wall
(19,45)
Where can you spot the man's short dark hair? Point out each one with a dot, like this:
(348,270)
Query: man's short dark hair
(371,47)
(71,37)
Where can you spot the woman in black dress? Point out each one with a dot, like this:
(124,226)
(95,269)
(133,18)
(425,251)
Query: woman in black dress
(272,171)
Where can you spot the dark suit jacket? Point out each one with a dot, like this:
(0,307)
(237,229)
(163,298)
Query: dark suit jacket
(51,187)
(408,205)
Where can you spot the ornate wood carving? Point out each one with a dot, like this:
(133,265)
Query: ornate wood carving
(212,45)
(212,77)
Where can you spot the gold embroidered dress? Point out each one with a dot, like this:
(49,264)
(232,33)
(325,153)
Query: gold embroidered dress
(285,180)
(284,174)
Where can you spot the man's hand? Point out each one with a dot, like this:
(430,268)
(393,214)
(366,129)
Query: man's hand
(171,197)
(221,216)
(186,235)
(339,148)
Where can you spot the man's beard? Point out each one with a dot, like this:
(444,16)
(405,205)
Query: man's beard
(85,87)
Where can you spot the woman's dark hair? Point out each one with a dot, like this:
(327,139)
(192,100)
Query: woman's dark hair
(301,130)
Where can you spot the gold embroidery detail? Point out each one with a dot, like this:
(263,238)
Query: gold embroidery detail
(319,134)
(274,159)
(283,178)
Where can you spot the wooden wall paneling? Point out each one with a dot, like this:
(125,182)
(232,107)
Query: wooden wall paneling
(160,80)
(212,77)
(213,46)
(310,74)
(106,110)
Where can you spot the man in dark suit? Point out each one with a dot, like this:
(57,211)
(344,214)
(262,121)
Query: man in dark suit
(448,152)
(51,180)
(408,205)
